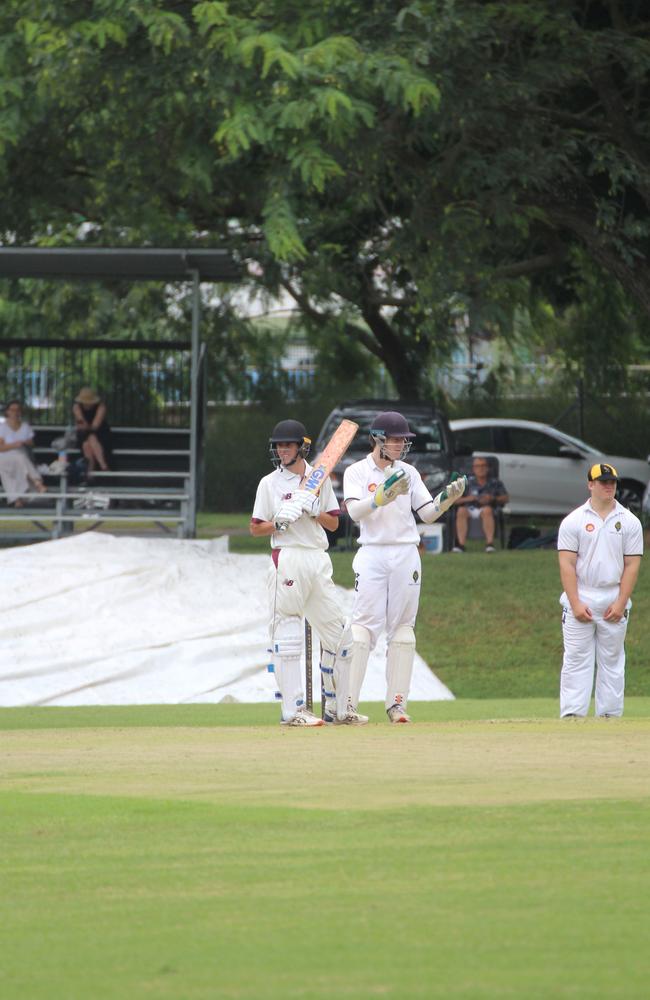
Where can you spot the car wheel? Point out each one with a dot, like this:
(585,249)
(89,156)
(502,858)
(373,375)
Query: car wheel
(630,495)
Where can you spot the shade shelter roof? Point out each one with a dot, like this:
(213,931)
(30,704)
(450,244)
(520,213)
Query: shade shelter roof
(134,264)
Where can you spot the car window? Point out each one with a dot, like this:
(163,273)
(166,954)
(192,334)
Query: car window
(523,441)
(428,435)
(581,445)
(328,430)
(360,441)
(473,439)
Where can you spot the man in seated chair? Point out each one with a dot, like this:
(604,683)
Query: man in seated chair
(484,494)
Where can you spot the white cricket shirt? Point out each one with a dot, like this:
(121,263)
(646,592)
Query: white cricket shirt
(280,485)
(393,524)
(600,544)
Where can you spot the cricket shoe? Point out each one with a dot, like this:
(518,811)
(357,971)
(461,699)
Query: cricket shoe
(303,717)
(352,718)
(397,714)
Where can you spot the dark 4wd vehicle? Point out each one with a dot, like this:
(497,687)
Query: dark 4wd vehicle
(431,451)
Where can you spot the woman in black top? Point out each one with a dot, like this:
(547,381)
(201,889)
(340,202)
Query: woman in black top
(93,431)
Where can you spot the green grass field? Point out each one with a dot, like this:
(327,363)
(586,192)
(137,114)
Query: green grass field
(489,850)
(199,851)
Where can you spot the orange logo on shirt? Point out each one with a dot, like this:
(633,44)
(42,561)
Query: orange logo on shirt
(590,527)
(372,487)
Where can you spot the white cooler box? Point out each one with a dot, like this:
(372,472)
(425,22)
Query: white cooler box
(432,536)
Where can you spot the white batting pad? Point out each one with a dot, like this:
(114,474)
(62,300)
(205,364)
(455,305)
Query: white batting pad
(359,662)
(399,666)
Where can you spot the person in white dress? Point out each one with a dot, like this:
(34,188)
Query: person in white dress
(18,474)
(300,580)
(382,493)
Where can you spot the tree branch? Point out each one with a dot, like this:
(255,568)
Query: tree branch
(530,266)
(321,319)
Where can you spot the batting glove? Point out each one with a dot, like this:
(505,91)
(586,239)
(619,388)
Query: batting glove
(391,488)
(456,486)
(454,489)
(286,514)
(309,502)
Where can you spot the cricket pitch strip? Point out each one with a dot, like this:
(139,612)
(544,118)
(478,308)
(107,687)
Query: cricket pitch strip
(377,766)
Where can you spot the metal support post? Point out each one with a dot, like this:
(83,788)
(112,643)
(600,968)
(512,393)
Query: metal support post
(194,408)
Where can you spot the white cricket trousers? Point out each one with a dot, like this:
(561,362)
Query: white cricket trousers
(300,583)
(387,588)
(585,645)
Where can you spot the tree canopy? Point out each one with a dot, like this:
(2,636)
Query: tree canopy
(382,162)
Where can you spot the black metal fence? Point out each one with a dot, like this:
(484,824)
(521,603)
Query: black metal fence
(143,384)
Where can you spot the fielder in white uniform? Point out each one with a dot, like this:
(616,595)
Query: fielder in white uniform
(300,580)
(600,545)
(381,493)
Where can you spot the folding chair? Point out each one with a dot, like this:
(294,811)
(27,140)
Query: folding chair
(463,464)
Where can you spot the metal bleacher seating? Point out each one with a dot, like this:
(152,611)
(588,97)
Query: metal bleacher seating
(148,486)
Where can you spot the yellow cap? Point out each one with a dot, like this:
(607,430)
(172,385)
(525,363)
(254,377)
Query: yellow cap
(602,472)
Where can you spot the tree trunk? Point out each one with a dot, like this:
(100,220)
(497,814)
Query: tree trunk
(405,357)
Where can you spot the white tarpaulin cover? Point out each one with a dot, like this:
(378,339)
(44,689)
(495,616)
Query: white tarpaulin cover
(101,620)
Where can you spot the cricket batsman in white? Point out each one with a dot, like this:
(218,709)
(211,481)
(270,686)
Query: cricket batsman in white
(381,492)
(300,580)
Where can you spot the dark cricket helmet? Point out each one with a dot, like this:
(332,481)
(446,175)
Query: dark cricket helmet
(391,424)
(292,431)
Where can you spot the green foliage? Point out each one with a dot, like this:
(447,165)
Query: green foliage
(118,310)
(376,160)
(240,129)
(281,228)
(600,334)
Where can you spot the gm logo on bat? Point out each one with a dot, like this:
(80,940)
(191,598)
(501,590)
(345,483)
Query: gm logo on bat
(316,477)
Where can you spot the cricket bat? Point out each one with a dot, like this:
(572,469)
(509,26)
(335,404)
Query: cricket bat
(331,454)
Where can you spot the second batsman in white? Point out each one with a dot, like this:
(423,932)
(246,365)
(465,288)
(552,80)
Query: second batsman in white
(382,492)
(300,580)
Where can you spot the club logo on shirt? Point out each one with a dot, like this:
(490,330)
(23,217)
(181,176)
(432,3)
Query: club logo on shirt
(618,525)
(286,496)
(372,487)
(288,583)
(590,526)
(416,576)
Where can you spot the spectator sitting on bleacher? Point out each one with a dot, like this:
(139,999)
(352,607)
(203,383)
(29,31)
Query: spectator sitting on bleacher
(17,471)
(93,431)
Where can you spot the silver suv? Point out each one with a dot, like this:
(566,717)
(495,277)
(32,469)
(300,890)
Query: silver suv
(543,469)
